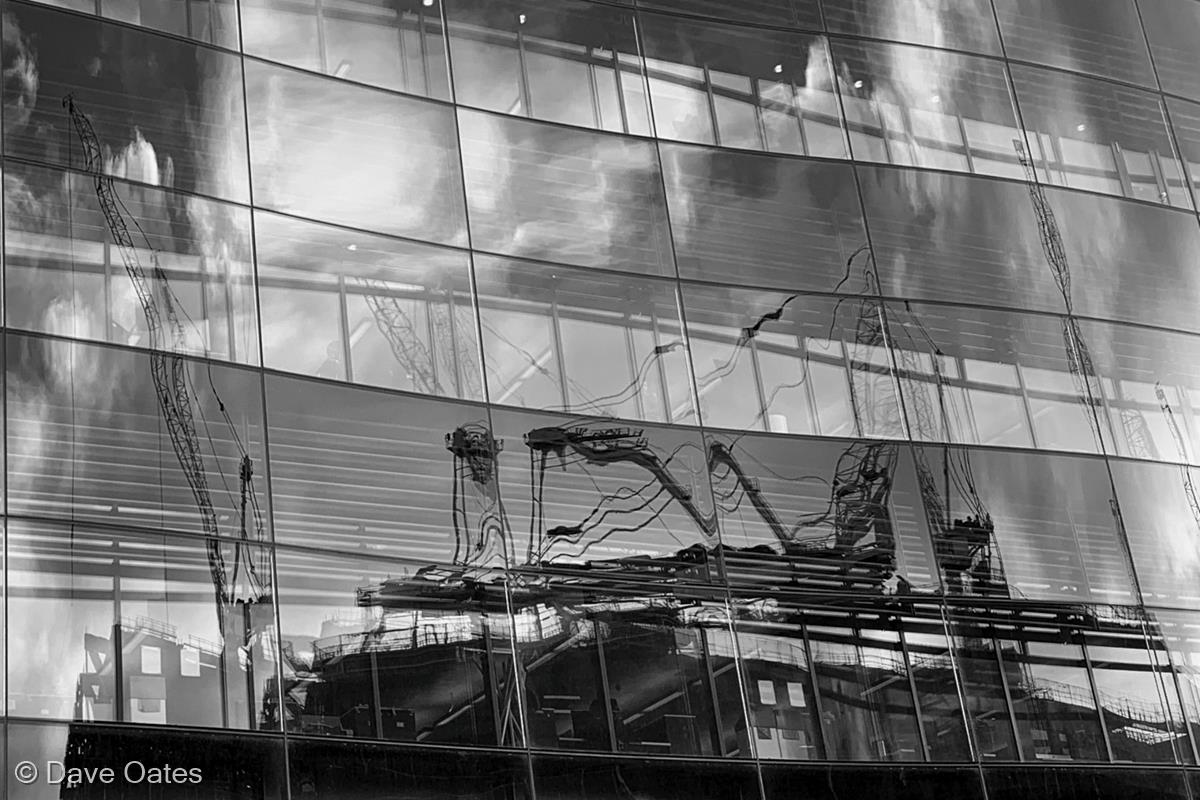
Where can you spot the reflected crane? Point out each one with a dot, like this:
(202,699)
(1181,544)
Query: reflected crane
(242,585)
(1185,473)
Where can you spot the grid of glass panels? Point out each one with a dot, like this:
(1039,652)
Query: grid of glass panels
(648,379)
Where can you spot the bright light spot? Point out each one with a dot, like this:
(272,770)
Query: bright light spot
(936,99)
(778,68)
(1081,127)
(351,247)
(858,84)
(521,19)
(427,3)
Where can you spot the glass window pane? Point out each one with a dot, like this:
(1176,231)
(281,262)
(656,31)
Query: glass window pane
(907,105)
(1180,636)
(953,24)
(396,46)
(770,361)
(65,277)
(933,676)
(820,515)
(553,61)
(952,237)
(168,112)
(361,771)
(353,156)
(1100,37)
(569,196)
(88,439)
(749,215)
(397,312)
(374,472)
(1090,134)
(209,21)
(985,692)
(560,339)
(83,602)
(740,87)
(1173,28)
(367,655)
(588,495)
(791,13)
(1185,124)
(1027,526)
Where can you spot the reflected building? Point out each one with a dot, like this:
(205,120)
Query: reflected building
(598,399)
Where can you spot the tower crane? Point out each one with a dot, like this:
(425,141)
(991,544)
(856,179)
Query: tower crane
(176,395)
(397,328)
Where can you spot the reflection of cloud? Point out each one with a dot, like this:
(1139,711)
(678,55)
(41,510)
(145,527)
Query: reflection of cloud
(135,162)
(20,76)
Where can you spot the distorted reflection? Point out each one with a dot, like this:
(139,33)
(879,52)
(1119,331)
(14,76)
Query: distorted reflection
(771,221)
(393,475)
(789,13)
(1023,525)
(209,21)
(962,239)
(89,438)
(138,612)
(1078,140)
(586,496)
(570,62)
(634,673)
(354,156)
(1185,124)
(1178,634)
(1100,37)
(564,195)
(167,113)
(952,24)
(350,306)
(820,515)
(791,363)
(66,276)
(366,652)
(395,45)
(926,108)
(740,87)
(570,340)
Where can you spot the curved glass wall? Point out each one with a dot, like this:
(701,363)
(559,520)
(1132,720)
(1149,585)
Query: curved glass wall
(586,398)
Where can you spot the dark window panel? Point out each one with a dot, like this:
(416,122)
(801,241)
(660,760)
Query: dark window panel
(610,779)
(954,24)
(747,88)
(1100,37)
(926,108)
(350,306)
(370,652)
(885,783)
(353,156)
(1138,701)
(654,674)
(168,113)
(129,629)
(820,515)
(234,767)
(570,196)
(87,439)
(976,376)
(1091,134)
(1179,633)
(64,275)
(1173,28)
(750,216)
(562,339)
(395,475)
(957,238)
(209,21)
(932,667)
(1151,383)
(790,363)
(1058,783)
(1185,124)
(1041,673)
(354,771)
(570,62)
(1163,529)
(585,496)
(783,13)
(1025,525)
(393,45)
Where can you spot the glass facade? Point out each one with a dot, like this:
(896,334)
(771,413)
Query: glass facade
(595,399)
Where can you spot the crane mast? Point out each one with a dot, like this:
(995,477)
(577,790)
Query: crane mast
(1189,488)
